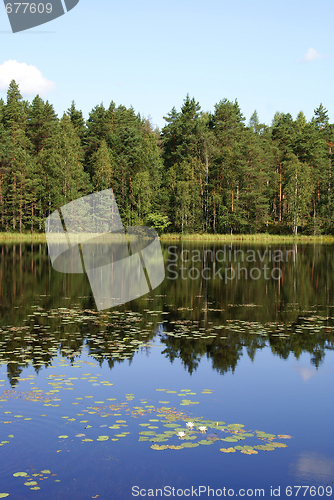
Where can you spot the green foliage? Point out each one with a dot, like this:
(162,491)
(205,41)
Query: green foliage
(204,172)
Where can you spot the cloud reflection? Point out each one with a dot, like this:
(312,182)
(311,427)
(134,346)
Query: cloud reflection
(305,372)
(312,466)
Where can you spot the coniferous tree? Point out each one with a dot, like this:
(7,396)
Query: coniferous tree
(19,189)
(227,125)
(103,168)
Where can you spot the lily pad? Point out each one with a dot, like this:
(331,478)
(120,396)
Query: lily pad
(157,447)
(235,427)
(265,435)
(279,445)
(264,447)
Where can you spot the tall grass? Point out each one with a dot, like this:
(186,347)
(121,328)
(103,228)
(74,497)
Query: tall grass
(22,238)
(255,238)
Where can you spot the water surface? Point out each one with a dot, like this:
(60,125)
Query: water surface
(87,394)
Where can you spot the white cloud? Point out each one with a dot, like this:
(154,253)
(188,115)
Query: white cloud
(311,55)
(28,77)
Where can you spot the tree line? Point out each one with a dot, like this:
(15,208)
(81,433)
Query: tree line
(203,172)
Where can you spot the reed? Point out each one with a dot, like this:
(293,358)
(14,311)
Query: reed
(251,238)
(22,238)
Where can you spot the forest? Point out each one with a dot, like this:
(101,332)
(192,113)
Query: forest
(204,172)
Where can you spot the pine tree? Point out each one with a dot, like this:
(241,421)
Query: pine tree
(19,186)
(185,155)
(103,168)
(74,181)
(227,125)
(78,123)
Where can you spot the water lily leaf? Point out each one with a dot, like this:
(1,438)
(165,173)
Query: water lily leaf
(157,447)
(35,488)
(205,441)
(63,437)
(227,450)
(264,447)
(279,445)
(230,439)
(30,483)
(86,440)
(20,474)
(265,435)
(283,436)
(102,438)
(190,445)
(46,471)
(4,495)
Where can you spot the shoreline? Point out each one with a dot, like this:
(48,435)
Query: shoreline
(241,238)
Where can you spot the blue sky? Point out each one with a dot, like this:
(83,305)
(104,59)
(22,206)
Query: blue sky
(270,56)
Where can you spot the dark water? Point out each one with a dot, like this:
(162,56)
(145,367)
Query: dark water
(79,386)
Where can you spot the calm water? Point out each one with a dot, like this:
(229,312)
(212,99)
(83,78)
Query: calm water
(86,395)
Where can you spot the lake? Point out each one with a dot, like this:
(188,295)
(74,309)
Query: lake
(218,383)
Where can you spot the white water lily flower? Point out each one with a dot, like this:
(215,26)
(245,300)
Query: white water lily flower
(202,428)
(190,425)
(181,434)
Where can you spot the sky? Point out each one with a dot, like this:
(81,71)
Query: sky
(270,56)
